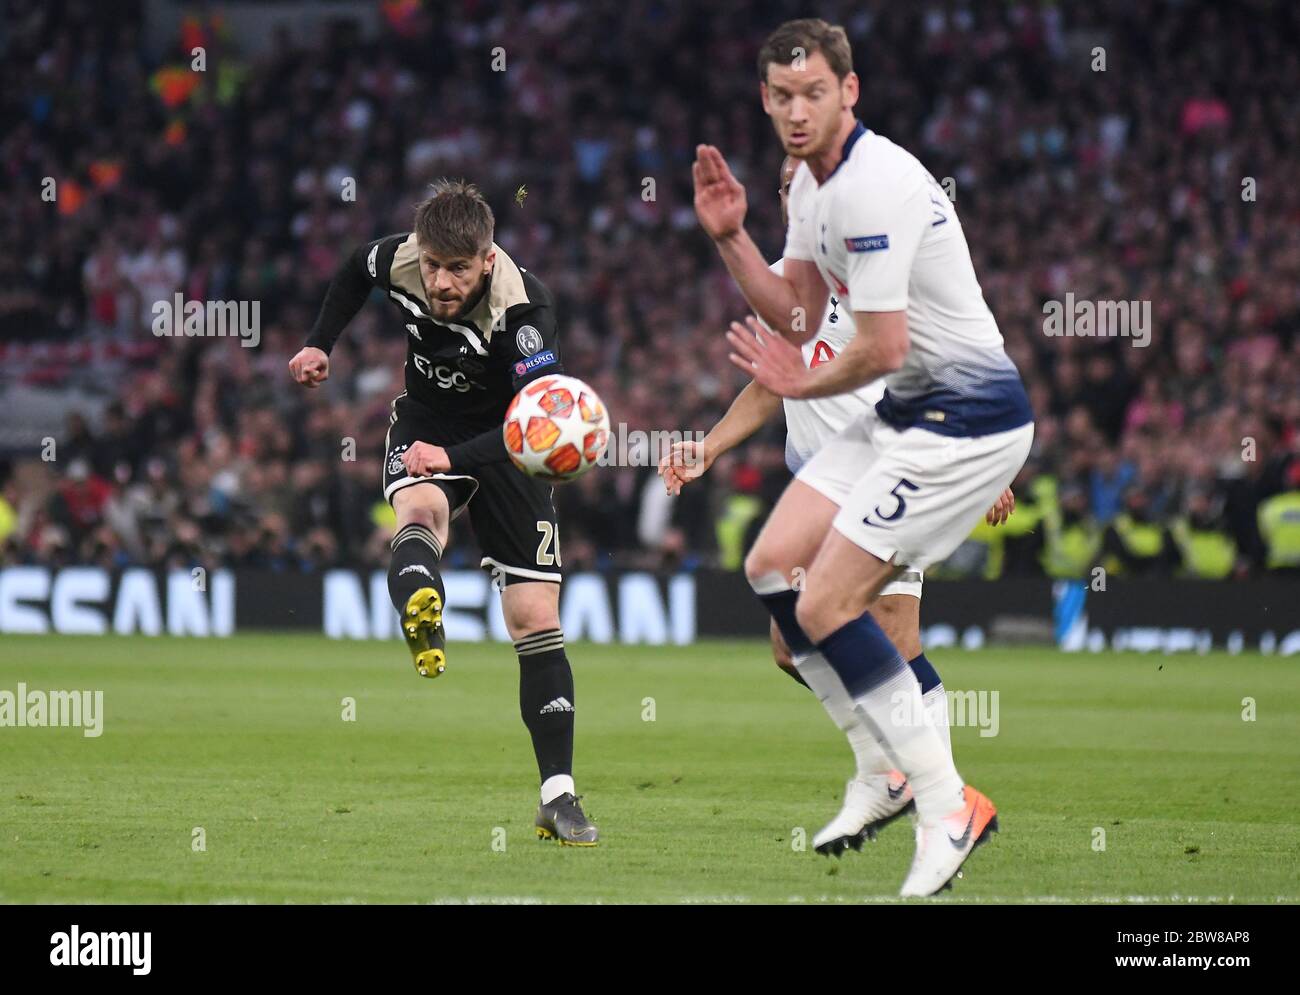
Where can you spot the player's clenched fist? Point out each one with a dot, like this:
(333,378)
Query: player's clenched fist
(311,367)
(719,196)
(684,462)
(423,459)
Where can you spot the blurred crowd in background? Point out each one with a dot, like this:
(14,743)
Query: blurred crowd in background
(1167,176)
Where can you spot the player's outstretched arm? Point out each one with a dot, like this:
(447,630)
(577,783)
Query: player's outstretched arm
(689,459)
(720,205)
(879,347)
(347,293)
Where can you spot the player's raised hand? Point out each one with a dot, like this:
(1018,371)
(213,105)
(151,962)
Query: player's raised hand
(1002,509)
(311,367)
(719,197)
(768,358)
(684,462)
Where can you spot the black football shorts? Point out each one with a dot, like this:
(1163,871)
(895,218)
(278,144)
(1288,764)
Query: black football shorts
(513,515)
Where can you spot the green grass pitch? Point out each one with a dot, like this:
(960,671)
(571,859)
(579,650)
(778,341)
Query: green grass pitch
(429,794)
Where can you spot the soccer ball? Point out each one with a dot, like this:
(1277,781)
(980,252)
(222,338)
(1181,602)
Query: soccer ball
(556,428)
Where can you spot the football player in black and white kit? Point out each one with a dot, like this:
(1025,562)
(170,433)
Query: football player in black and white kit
(479,328)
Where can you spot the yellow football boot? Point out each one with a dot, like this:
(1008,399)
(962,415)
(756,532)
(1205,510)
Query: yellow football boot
(425,637)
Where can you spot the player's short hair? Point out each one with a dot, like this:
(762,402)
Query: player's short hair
(807,35)
(454,219)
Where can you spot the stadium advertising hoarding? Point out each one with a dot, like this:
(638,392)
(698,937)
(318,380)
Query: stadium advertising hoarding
(639,607)
(628,607)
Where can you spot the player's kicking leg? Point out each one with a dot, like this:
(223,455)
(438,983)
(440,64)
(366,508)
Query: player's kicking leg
(414,579)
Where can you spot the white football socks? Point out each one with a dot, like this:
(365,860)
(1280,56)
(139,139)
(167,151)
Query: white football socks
(829,689)
(935,702)
(894,711)
(556,785)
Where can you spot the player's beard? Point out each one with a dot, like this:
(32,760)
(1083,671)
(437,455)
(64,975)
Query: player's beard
(810,148)
(819,138)
(460,307)
(799,152)
(446,310)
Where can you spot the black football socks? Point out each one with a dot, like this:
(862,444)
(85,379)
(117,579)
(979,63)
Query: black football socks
(416,552)
(546,704)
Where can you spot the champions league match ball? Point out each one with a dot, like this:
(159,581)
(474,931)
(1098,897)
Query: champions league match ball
(556,428)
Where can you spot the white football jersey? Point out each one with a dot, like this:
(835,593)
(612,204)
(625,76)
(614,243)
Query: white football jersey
(885,237)
(809,423)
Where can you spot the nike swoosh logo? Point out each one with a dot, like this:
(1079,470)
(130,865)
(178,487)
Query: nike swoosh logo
(961,841)
(896,793)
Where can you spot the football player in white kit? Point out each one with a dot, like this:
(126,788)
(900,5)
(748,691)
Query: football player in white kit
(901,485)
(810,424)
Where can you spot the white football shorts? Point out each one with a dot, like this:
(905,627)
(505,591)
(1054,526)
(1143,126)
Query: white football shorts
(908,582)
(913,496)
